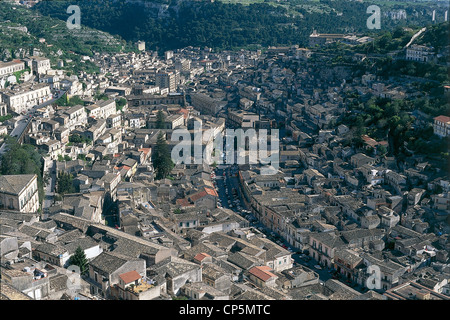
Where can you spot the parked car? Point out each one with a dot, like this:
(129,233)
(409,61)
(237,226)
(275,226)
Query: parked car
(318,267)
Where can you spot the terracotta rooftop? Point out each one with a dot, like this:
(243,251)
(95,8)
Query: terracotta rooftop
(204,193)
(130,276)
(184,202)
(443,119)
(262,272)
(201,256)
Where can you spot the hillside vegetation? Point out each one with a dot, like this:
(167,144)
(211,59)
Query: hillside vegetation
(175,24)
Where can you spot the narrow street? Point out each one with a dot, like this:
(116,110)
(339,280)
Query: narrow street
(50,186)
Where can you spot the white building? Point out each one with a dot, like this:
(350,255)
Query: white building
(21,98)
(183,65)
(141,45)
(107,107)
(419,53)
(441,126)
(167,80)
(19,192)
(40,65)
(77,116)
(8,68)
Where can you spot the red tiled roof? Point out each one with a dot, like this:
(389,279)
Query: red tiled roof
(211,192)
(183,202)
(201,256)
(185,112)
(262,272)
(443,119)
(369,140)
(145,150)
(131,276)
(198,195)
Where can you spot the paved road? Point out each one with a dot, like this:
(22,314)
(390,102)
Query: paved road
(230,181)
(415,36)
(226,181)
(50,186)
(21,124)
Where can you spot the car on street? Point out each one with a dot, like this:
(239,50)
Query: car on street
(318,267)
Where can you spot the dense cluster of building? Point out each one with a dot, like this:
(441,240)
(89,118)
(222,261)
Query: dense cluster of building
(314,230)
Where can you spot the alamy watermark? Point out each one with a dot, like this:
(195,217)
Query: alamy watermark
(374,279)
(74,21)
(374,21)
(238,146)
(73,282)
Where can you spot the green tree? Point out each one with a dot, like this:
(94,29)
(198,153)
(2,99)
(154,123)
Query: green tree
(162,162)
(120,103)
(79,259)
(382,150)
(65,183)
(22,159)
(160,120)
(76,138)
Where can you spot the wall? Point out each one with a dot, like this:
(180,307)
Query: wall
(194,275)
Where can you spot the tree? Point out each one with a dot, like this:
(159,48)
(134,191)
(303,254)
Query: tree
(65,183)
(382,150)
(120,103)
(162,162)
(79,259)
(160,120)
(22,159)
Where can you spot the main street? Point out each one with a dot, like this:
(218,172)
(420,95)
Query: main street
(226,180)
